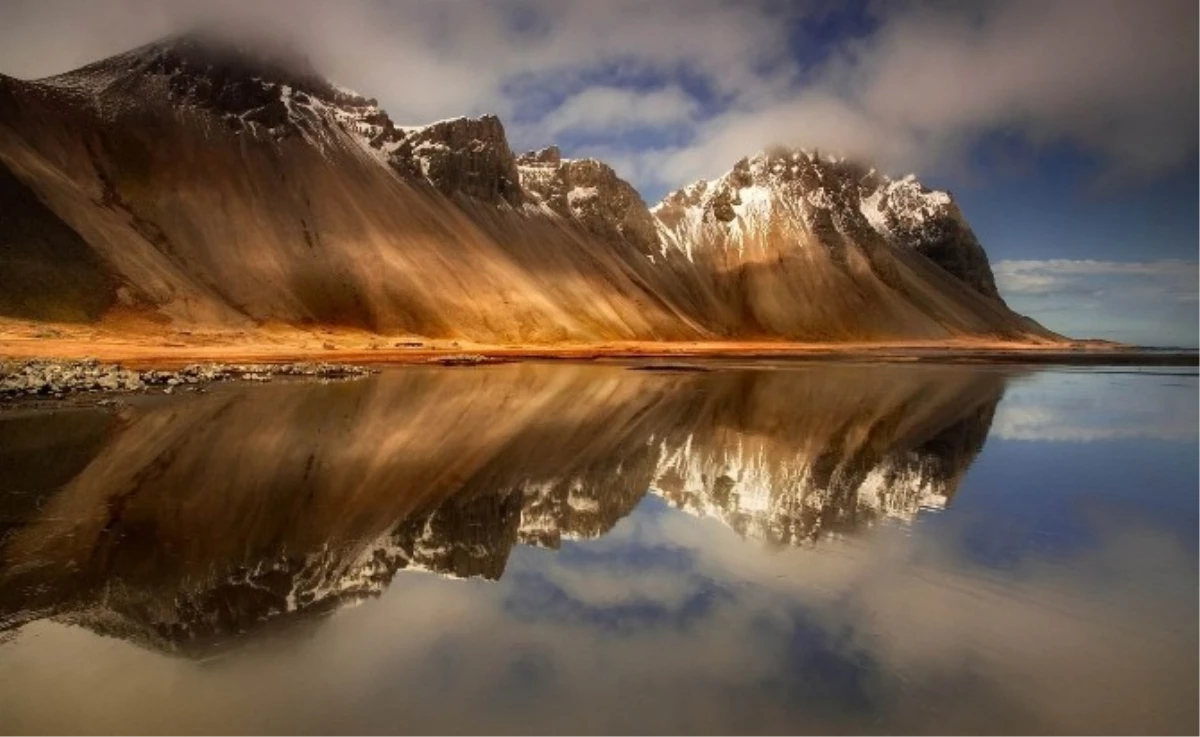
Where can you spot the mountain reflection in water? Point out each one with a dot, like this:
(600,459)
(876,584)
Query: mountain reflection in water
(196,520)
(773,548)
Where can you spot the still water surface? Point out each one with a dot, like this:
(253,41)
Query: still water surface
(559,548)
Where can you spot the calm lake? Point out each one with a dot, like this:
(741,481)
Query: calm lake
(590,548)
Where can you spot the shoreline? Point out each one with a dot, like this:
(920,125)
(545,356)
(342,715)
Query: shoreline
(150,354)
(134,343)
(110,370)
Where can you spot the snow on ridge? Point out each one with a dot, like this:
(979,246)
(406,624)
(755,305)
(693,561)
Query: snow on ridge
(578,194)
(903,203)
(409,129)
(871,208)
(343,90)
(773,186)
(90,82)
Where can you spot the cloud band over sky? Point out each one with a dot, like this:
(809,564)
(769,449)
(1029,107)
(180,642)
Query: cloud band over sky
(676,90)
(1115,300)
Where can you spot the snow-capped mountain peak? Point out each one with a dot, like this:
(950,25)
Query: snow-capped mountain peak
(788,244)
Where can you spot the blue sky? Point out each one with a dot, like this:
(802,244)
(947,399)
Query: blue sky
(1090,259)
(1066,129)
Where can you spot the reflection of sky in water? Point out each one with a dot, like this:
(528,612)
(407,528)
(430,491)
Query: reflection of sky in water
(1073,454)
(1057,593)
(1084,405)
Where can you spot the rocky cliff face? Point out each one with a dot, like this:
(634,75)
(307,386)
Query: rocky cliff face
(589,192)
(213,183)
(467,155)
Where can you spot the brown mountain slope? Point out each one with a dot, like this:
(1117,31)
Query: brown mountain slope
(47,271)
(199,183)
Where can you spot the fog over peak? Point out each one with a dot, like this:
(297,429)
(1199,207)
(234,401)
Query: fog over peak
(673,91)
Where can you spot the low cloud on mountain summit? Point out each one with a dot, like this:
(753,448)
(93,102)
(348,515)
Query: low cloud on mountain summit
(672,91)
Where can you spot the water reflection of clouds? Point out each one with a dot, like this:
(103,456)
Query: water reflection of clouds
(896,627)
(894,619)
(673,623)
(1077,406)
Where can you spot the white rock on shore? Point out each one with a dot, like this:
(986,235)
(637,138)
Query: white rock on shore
(55,378)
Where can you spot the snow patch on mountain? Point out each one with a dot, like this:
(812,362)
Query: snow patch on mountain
(897,204)
(590,193)
(788,189)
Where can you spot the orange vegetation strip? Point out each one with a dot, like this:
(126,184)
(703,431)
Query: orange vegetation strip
(144,351)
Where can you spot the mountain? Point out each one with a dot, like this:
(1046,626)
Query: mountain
(185,525)
(197,181)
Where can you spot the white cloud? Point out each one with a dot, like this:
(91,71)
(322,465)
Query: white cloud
(1116,78)
(1119,78)
(1044,641)
(599,109)
(1143,302)
(1074,406)
(1169,279)
(426,59)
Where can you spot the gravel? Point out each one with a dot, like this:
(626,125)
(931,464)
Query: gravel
(54,378)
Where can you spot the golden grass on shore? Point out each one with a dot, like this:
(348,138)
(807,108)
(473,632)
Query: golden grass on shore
(166,347)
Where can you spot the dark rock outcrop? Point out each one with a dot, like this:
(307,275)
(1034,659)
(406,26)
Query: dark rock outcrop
(590,192)
(468,156)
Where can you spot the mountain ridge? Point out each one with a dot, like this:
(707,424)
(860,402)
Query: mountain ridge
(335,215)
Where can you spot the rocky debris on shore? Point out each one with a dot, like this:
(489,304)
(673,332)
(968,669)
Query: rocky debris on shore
(466,359)
(52,378)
